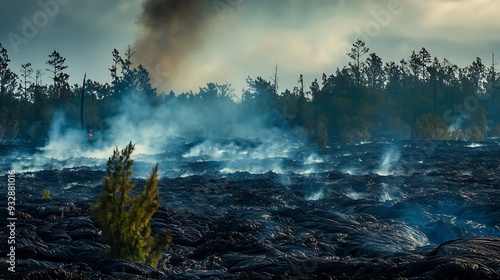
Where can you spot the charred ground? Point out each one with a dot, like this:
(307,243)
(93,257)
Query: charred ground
(438,220)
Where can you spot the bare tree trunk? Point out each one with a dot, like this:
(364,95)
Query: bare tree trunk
(83,98)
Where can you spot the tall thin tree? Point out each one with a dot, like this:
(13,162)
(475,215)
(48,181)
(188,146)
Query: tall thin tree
(357,51)
(60,86)
(26,72)
(82,124)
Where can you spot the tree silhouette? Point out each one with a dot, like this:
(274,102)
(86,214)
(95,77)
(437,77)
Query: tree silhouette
(378,97)
(475,73)
(60,87)
(115,79)
(357,51)
(26,72)
(374,71)
(425,58)
(436,80)
(492,87)
(56,63)
(7,77)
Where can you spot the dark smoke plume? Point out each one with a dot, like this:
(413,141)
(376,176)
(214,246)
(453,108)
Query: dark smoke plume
(170,31)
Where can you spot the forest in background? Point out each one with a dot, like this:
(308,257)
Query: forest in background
(420,97)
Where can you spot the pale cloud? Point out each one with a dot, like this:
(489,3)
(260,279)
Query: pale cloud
(471,14)
(457,21)
(302,38)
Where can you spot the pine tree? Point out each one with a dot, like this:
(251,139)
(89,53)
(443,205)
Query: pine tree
(60,89)
(56,62)
(26,72)
(357,51)
(8,79)
(125,219)
(374,71)
(114,70)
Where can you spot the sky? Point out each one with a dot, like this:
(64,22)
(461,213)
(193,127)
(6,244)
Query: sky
(186,44)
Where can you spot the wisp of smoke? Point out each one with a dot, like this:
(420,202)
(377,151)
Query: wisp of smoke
(456,124)
(385,196)
(316,196)
(66,148)
(242,140)
(388,161)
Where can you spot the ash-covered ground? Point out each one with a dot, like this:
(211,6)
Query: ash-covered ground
(241,209)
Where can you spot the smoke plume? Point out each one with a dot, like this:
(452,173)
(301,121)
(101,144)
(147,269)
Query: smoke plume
(170,31)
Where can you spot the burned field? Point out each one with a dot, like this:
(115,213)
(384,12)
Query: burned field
(241,210)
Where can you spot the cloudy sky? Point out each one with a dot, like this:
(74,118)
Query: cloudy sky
(185,44)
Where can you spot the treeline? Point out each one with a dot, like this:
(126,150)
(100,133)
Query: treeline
(420,97)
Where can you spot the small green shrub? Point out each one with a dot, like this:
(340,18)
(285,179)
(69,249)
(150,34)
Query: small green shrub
(46,194)
(124,218)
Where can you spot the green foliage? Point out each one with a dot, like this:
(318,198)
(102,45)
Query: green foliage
(321,139)
(431,127)
(321,135)
(354,129)
(478,122)
(125,218)
(46,194)
(496,132)
(374,96)
(396,126)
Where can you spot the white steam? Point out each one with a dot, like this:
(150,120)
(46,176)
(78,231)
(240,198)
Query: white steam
(388,162)
(456,124)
